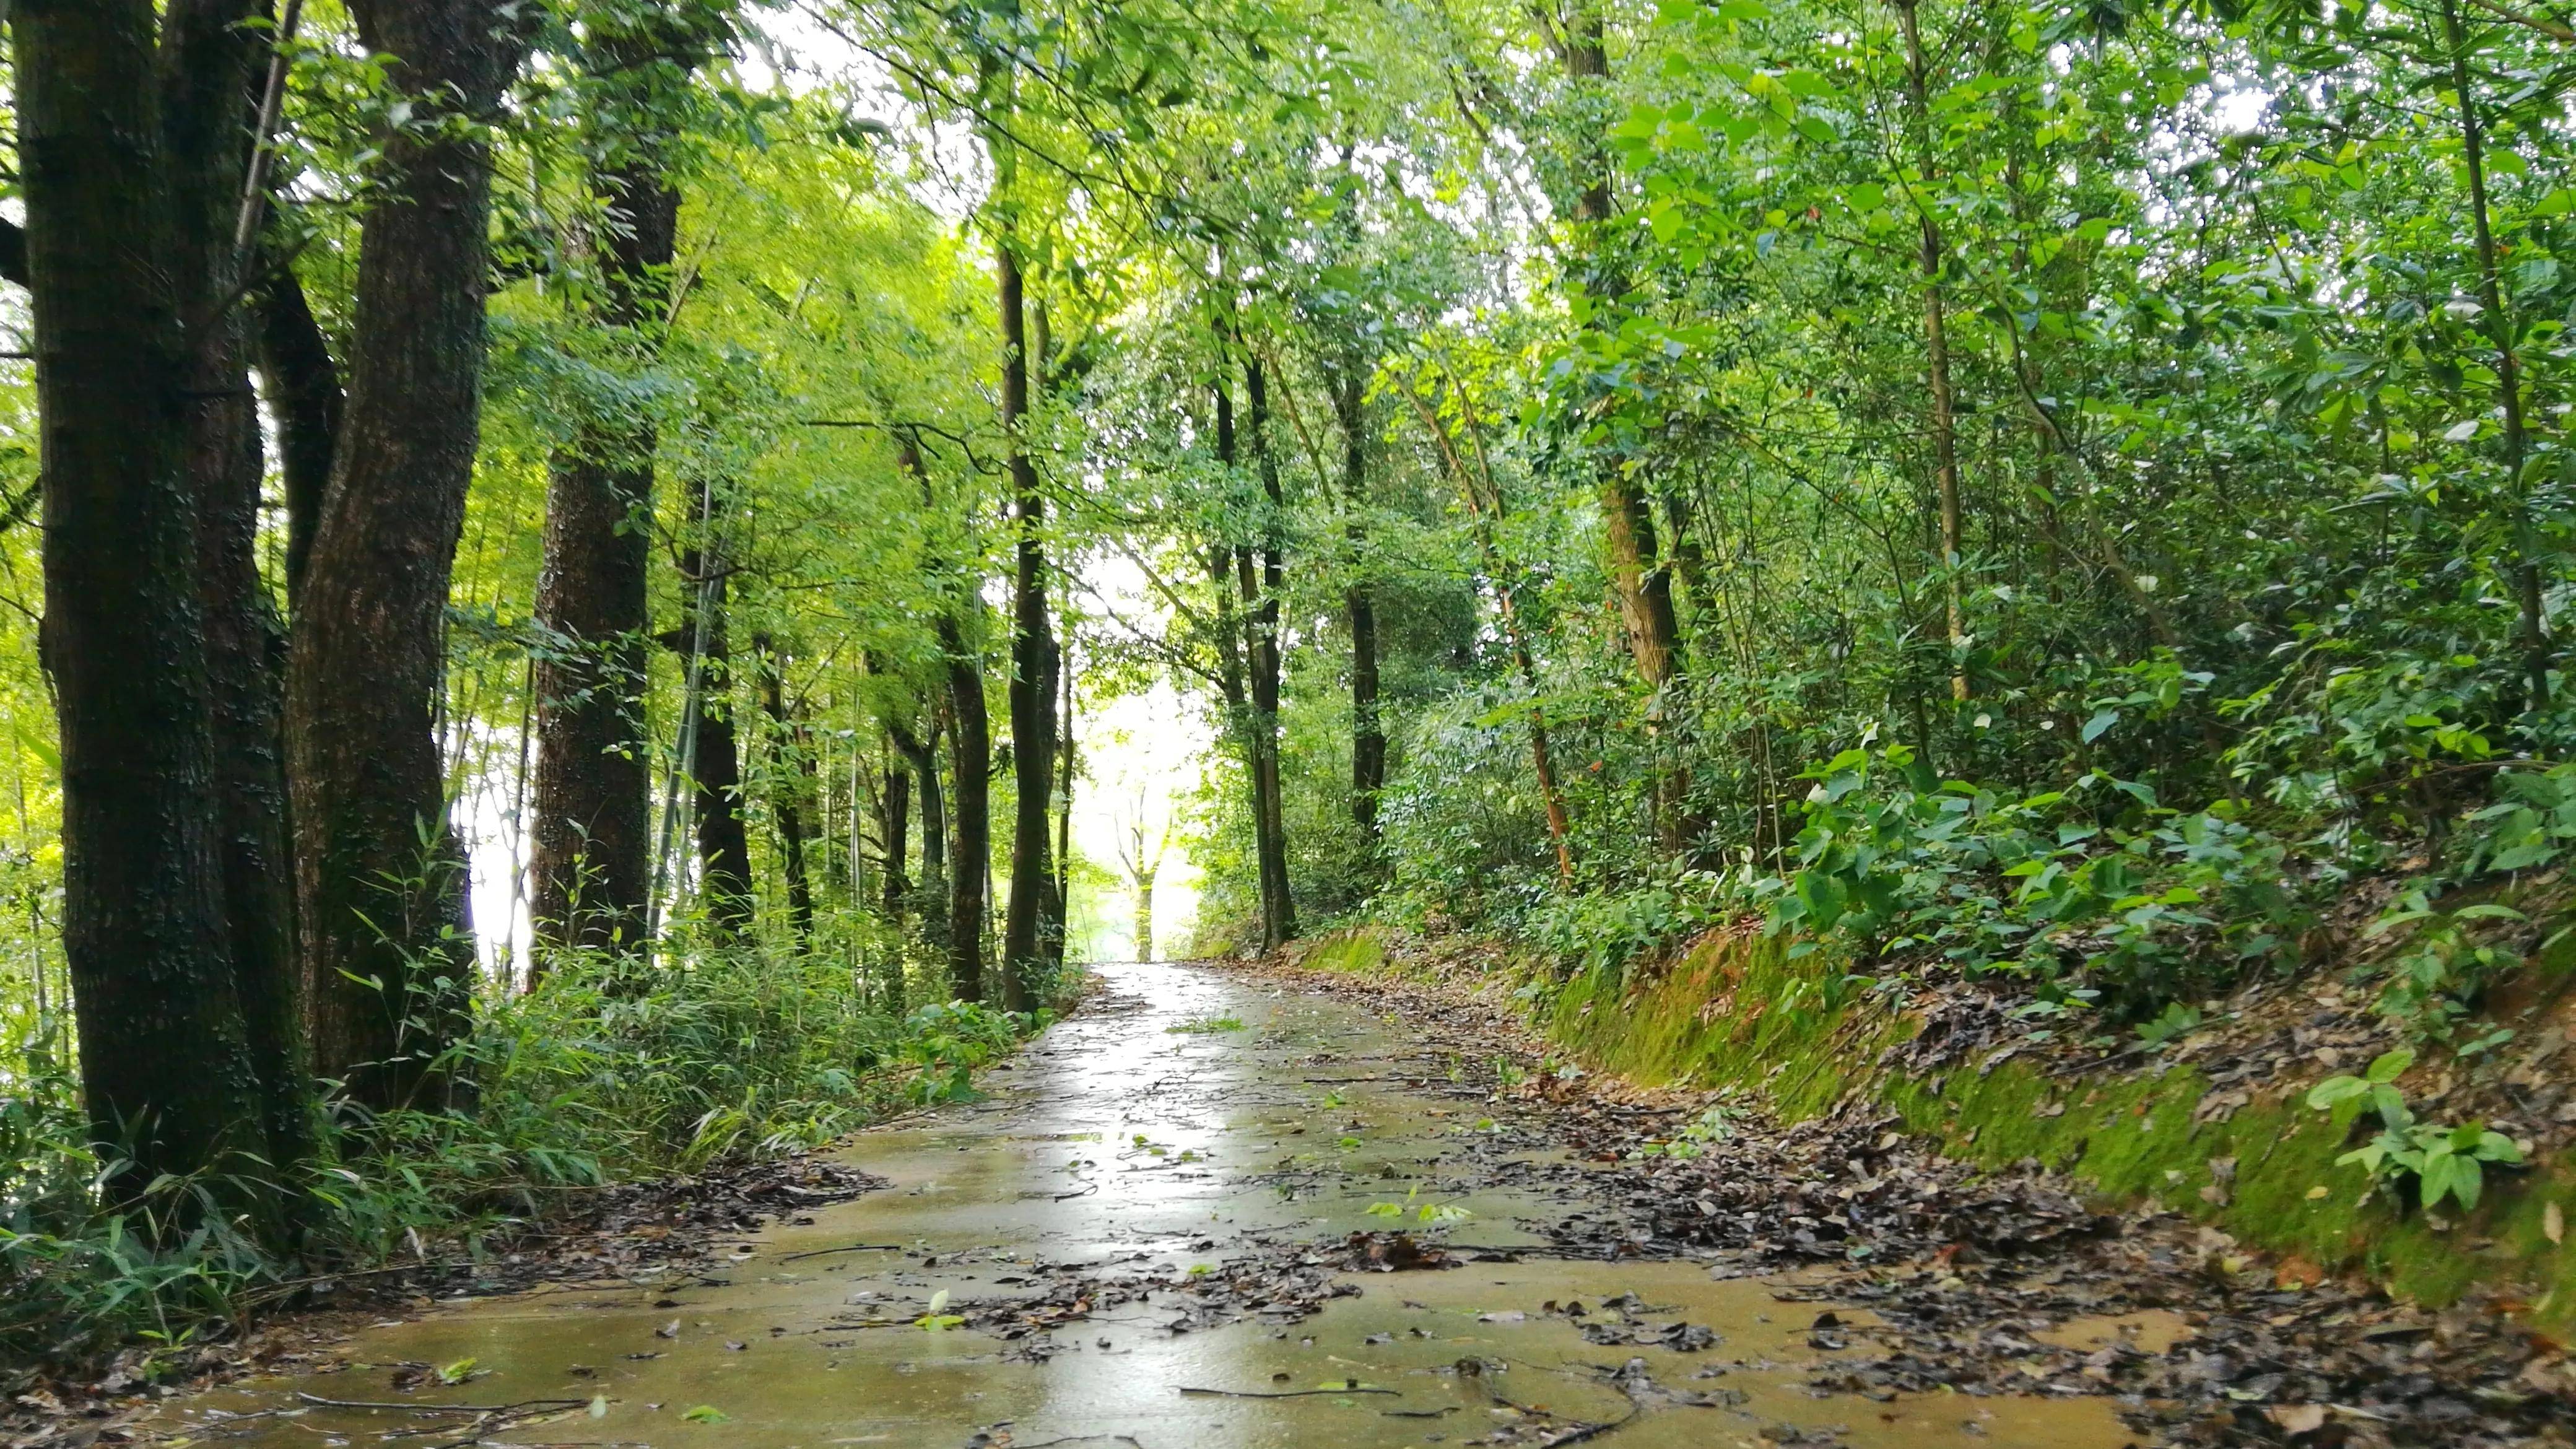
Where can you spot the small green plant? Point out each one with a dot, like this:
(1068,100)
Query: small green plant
(2180,1019)
(1427,1212)
(1203,1025)
(2443,1161)
(1711,1126)
(938,1319)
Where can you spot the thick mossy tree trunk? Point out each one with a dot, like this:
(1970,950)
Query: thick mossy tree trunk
(210,61)
(387,955)
(170,1078)
(1032,692)
(591,859)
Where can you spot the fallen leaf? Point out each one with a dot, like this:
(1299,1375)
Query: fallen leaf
(2297,1418)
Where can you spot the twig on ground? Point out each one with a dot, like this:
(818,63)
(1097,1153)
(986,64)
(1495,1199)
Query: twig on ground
(852,1248)
(1284,1393)
(320,1402)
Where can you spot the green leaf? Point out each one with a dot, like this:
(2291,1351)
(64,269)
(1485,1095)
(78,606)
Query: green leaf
(2102,720)
(2389,1066)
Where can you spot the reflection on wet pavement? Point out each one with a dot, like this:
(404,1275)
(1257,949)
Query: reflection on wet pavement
(1121,1146)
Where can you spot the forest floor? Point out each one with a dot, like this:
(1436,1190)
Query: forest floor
(1256,1207)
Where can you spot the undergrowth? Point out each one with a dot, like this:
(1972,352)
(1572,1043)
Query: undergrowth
(602,1073)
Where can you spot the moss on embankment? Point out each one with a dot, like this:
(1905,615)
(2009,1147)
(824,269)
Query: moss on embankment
(1734,1013)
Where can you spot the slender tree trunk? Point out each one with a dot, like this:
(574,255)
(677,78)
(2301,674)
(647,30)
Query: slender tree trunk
(169,1077)
(1144,893)
(1368,734)
(387,955)
(715,774)
(210,65)
(791,778)
(970,842)
(897,894)
(1060,908)
(1032,695)
(594,789)
(302,384)
(1485,506)
(970,858)
(2501,327)
(1230,573)
(1637,572)
(1279,902)
(1936,355)
(923,755)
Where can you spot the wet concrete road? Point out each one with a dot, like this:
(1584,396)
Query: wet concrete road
(1119,1141)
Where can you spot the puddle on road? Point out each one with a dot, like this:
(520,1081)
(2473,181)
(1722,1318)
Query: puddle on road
(1115,1141)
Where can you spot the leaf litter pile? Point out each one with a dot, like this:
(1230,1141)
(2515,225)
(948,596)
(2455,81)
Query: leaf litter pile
(1968,1272)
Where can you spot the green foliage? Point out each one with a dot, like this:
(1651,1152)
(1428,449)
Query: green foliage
(2441,1162)
(2093,892)
(601,1074)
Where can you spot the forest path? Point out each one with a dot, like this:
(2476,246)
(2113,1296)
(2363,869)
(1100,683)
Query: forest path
(1145,1167)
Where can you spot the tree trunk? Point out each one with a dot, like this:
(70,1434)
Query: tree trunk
(1368,736)
(923,754)
(1279,903)
(1144,892)
(1936,357)
(1230,574)
(592,859)
(2525,569)
(970,859)
(1060,906)
(1485,505)
(169,1079)
(387,956)
(1032,694)
(715,774)
(791,779)
(304,404)
(1637,573)
(210,64)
